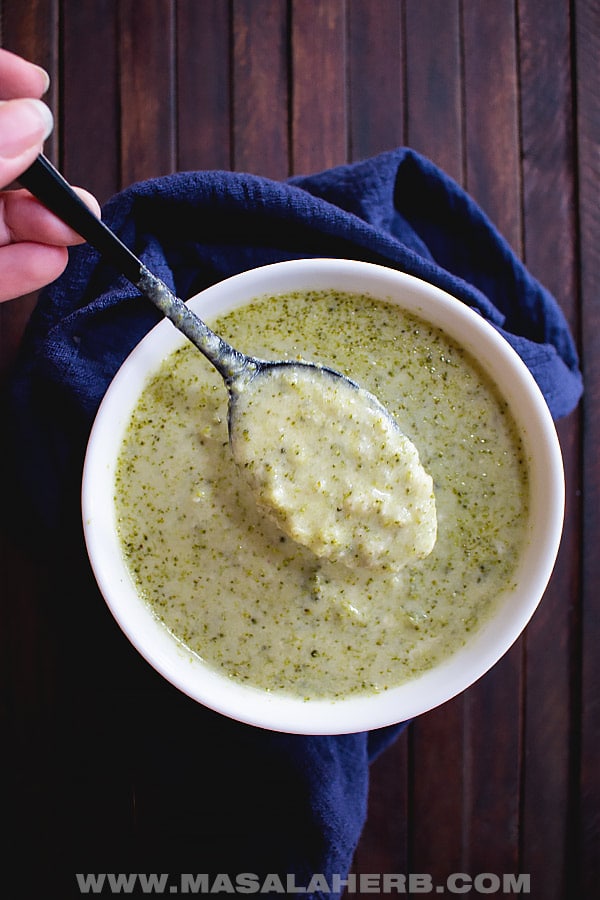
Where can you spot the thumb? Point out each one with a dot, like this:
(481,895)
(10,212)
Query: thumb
(24,126)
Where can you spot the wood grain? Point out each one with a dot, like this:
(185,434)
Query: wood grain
(505,97)
(318,85)
(546,104)
(260,88)
(203,72)
(434,83)
(491,114)
(146,66)
(586,793)
(375,70)
(90,97)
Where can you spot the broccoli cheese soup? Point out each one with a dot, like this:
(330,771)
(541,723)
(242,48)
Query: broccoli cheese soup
(327,462)
(261,607)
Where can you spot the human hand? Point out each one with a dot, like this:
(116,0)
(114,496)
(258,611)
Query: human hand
(33,241)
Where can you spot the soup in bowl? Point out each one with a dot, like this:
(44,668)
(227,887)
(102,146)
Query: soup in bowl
(252,623)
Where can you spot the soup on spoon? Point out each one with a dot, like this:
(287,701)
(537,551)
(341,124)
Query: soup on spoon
(330,466)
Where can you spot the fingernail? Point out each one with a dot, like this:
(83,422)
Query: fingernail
(23,123)
(46,78)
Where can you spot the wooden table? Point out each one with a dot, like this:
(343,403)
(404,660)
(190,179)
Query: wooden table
(504,95)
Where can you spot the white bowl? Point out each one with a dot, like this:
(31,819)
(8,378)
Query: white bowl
(283,713)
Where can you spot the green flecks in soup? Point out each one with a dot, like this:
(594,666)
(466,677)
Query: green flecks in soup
(250,600)
(328,463)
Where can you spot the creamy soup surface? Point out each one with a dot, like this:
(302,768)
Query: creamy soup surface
(329,464)
(249,600)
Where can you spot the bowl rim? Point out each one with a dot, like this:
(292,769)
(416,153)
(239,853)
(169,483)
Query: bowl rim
(463,668)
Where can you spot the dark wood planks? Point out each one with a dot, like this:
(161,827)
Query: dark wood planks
(586,790)
(434,118)
(260,88)
(203,71)
(491,111)
(375,91)
(546,108)
(318,85)
(89,125)
(147,81)
(504,97)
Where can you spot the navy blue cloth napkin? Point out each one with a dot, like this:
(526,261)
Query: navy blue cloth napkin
(226,797)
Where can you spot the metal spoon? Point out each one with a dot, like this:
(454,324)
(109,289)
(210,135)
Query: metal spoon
(344,537)
(44,181)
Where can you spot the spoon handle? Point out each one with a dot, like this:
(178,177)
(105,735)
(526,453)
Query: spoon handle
(49,186)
